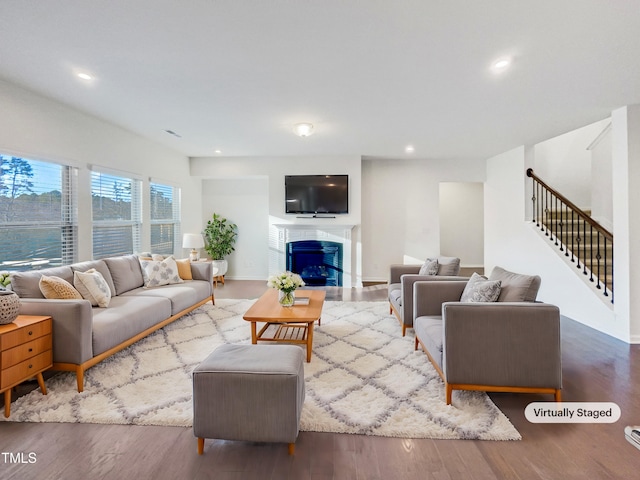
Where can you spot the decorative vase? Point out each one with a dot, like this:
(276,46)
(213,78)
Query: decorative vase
(9,306)
(286,299)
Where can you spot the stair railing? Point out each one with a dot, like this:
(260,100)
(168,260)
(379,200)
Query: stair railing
(574,232)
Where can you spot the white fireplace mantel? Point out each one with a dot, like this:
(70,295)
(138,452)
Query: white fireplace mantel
(339,233)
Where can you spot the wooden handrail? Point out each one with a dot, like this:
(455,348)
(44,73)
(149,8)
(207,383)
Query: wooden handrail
(587,218)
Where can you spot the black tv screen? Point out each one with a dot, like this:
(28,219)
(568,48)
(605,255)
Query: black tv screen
(312,194)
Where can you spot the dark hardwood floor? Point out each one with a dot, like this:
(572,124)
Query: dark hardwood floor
(595,368)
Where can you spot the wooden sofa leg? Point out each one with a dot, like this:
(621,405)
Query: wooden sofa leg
(448,393)
(200,446)
(292,448)
(558,395)
(415,344)
(80,378)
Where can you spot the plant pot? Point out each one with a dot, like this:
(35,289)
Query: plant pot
(221,265)
(9,306)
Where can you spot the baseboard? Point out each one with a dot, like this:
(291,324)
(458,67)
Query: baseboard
(374,280)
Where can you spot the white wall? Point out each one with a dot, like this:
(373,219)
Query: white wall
(626,212)
(269,197)
(564,163)
(244,202)
(462,222)
(38,128)
(601,180)
(401,209)
(514,244)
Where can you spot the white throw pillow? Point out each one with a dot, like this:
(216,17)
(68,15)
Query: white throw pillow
(93,287)
(480,289)
(429,267)
(158,273)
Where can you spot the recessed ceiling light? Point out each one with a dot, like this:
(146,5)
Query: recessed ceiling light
(85,76)
(218,152)
(409,149)
(501,65)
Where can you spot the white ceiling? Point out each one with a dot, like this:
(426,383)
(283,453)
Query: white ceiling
(372,76)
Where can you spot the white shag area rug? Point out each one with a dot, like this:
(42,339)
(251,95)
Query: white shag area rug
(364,378)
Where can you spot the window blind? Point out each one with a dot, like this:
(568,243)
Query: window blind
(165,218)
(117,214)
(38,213)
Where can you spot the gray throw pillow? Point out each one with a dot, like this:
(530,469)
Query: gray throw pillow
(516,287)
(447,266)
(429,267)
(480,289)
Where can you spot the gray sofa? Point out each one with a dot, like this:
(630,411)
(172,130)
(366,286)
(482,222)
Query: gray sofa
(84,335)
(509,345)
(402,278)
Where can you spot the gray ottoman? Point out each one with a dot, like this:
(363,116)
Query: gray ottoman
(249,392)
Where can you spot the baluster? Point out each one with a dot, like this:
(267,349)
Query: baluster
(555,209)
(579,242)
(584,247)
(573,236)
(591,253)
(599,260)
(546,212)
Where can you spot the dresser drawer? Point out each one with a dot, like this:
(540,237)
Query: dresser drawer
(25,334)
(24,370)
(26,350)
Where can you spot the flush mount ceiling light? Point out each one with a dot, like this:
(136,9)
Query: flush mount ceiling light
(409,149)
(303,129)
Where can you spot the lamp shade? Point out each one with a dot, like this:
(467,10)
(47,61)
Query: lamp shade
(192,240)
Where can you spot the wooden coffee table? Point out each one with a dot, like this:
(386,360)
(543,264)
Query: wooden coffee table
(285,324)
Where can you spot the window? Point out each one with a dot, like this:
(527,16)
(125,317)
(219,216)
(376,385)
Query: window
(165,218)
(38,214)
(117,216)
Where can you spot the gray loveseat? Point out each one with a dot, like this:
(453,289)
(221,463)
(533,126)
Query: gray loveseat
(84,335)
(509,345)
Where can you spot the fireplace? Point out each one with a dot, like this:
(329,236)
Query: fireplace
(318,262)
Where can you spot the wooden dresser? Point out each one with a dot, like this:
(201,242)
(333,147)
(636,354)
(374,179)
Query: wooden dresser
(25,352)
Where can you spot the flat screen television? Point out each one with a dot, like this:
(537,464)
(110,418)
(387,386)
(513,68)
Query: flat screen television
(316,194)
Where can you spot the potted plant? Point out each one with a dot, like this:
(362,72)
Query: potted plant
(220,237)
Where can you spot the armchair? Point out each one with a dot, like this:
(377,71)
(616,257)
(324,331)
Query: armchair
(503,346)
(401,280)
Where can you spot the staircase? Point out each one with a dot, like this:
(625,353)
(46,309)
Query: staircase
(572,230)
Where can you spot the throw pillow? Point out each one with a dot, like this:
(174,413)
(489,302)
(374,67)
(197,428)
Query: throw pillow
(158,273)
(429,267)
(480,289)
(184,269)
(93,287)
(448,266)
(516,287)
(57,288)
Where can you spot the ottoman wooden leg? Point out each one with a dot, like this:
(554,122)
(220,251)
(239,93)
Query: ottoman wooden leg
(200,446)
(292,448)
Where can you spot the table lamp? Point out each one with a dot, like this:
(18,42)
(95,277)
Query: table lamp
(193,241)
